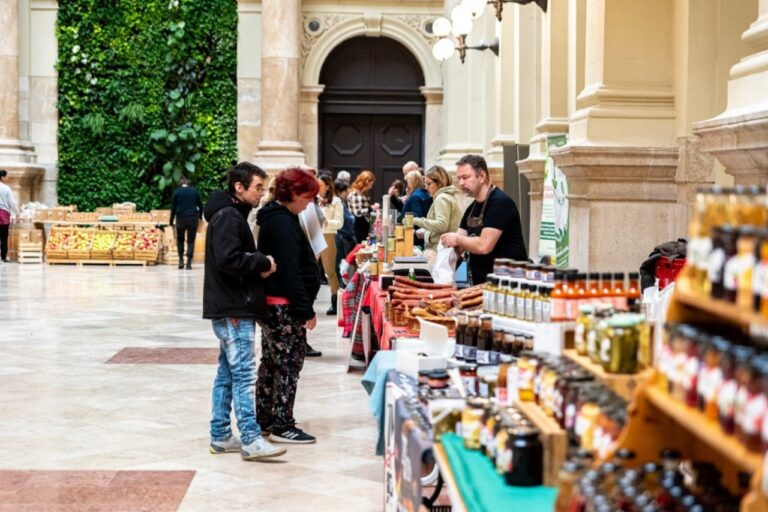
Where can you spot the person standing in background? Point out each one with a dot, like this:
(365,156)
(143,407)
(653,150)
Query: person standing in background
(7,207)
(418,201)
(333,212)
(445,214)
(187,210)
(344,176)
(360,204)
(345,236)
(396,192)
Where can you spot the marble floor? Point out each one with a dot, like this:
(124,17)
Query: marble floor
(98,411)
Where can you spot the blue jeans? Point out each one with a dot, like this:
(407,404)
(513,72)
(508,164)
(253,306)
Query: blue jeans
(235,380)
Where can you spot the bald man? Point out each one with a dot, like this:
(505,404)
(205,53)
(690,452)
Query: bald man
(410,166)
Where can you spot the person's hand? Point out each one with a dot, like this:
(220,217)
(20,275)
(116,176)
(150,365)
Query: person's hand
(311,323)
(420,233)
(393,192)
(375,207)
(450,240)
(272,268)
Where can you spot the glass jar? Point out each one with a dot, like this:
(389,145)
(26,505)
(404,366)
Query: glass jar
(438,379)
(471,422)
(567,477)
(710,375)
(686,335)
(744,376)
(582,326)
(468,373)
(527,366)
(497,346)
(597,332)
(664,361)
(726,397)
(756,404)
(527,457)
(619,347)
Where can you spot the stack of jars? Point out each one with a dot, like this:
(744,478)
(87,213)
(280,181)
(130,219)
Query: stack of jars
(659,486)
(723,378)
(728,247)
(619,342)
(536,293)
(477,342)
(507,438)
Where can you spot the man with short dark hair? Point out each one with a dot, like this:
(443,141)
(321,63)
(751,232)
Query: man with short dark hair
(187,210)
(233,297)
(490,228)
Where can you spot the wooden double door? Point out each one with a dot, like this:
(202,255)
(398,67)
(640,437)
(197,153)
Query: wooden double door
(381,143)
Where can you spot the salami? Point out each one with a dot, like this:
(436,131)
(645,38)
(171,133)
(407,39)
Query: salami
(418,284)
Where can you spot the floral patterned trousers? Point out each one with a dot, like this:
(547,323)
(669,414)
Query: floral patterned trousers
(283,345)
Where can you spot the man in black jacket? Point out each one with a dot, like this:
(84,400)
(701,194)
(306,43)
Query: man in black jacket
(233,297)
(186,209)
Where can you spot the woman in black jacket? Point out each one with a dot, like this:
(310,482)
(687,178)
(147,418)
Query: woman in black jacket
(291,292)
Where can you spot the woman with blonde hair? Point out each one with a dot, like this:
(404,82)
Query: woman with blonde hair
(444,215)
(360,204)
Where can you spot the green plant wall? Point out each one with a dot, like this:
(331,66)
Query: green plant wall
(147,92)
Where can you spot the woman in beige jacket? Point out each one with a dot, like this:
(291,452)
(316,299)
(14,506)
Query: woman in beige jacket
(445,214)
(333,211)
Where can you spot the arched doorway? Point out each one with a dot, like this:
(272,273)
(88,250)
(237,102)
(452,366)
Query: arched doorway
(371,111)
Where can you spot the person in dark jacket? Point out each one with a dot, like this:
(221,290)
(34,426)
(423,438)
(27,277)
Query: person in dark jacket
(345,236)
(291,292)
(233,297)
(187,210)
(418,202)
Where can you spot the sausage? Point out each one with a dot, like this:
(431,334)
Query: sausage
(418,284)
(471,303)
(423,295)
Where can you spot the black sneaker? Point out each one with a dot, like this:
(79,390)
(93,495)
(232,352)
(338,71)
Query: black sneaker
(292,435)
(310,352)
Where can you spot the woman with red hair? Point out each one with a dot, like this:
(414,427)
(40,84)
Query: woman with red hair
(291,292)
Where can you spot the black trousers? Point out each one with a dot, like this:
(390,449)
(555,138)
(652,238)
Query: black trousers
(186,228)
(4,228)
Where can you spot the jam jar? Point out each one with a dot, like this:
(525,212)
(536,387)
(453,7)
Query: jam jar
(526,457)
(755,406)
(471,422)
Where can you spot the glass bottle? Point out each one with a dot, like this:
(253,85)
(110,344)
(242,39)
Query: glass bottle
(462,320)
(760,273)
(471,337)
(618,295)
(726,397)
(520,302)
(484,341)
(756,404)
(571,297)
(723,249)
(501,296)
(546,303)
(633,292)
(606,287)
(557,297)
(530,299)
(511,297)
(593,288)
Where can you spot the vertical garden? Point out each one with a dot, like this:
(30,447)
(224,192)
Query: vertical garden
(147,92)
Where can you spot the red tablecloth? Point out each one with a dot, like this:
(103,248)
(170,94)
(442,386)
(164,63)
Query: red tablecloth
(384,329)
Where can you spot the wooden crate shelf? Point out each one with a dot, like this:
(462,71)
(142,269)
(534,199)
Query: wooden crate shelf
(623,385)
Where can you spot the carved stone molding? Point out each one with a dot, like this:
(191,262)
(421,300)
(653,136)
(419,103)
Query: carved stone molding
(327,22)
(372,22)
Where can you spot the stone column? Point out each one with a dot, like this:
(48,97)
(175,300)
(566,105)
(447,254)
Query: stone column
(309,122)
(16,156)
(433,124)
(553,108)
(280,96)
(622,155)
(739,136)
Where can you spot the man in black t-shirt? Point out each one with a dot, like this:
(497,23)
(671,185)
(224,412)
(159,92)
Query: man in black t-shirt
(490,228)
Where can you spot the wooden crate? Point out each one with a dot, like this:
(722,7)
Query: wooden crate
(124,253)
(161,216)
(148,254)
(59,235)
(82,253)
(30,252)
(83,217)
(106,253)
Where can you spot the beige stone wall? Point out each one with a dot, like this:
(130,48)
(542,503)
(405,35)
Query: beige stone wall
(248,78)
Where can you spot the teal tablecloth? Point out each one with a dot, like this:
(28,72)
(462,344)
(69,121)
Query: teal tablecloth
(482,489)
(374,382)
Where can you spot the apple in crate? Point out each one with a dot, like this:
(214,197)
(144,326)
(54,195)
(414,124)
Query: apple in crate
(103,241)
(58,240)
(79,241)
(125,242)
(147,240)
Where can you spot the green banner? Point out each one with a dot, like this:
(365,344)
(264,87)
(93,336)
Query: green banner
(554,230)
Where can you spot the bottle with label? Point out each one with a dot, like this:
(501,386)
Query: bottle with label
(532,297)
(546,303)
(373,266)
(593,288)
(520,302)
(745,257)
(511,297)
(557,297)
(471,337)
(723,249)
(489,295)
(583,322)
(485,341)
(606,288)
(502,289)
(760,274)
(571,297)
(619,295)
(461,328)
(581,293)
(497,346)
(526,367)
(633,292)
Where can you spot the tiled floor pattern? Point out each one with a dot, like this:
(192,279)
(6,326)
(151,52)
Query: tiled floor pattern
(63,408)
(95,491)
(141,355)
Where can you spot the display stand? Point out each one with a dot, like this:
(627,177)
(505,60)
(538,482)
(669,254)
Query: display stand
(549,337)
(553,438)
(658,421)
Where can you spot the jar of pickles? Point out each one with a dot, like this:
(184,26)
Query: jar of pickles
(583,322)
(619,347)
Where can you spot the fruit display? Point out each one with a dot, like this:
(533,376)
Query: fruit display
(80,240)
(103,241)
(148,240)
(58,239)
(125,241)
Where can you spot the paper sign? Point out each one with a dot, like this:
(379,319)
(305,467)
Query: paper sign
(310,223)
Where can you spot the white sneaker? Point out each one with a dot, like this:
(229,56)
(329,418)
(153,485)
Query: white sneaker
(260,449)
(230,445)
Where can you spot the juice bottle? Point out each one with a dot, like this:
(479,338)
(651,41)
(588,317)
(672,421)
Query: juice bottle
(593,288)
(557,297)
(581,293)
(606,288)
(520,302)
(619,296)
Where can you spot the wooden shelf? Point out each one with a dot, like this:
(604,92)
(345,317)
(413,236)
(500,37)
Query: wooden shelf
(457,502)
(721,310)
(623,385)
(554,439)
(705,430)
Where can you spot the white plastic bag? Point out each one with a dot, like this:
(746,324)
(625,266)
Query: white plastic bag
(445,265)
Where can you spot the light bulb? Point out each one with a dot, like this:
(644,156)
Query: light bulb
(460,13)
(462,27)
(476,8)
(441,27)
(443,49)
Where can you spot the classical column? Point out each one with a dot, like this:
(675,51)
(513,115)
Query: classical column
(309,124)
(621,157)
(553,108)
(433,124)
(16,156)
(739,136)
(280,95)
